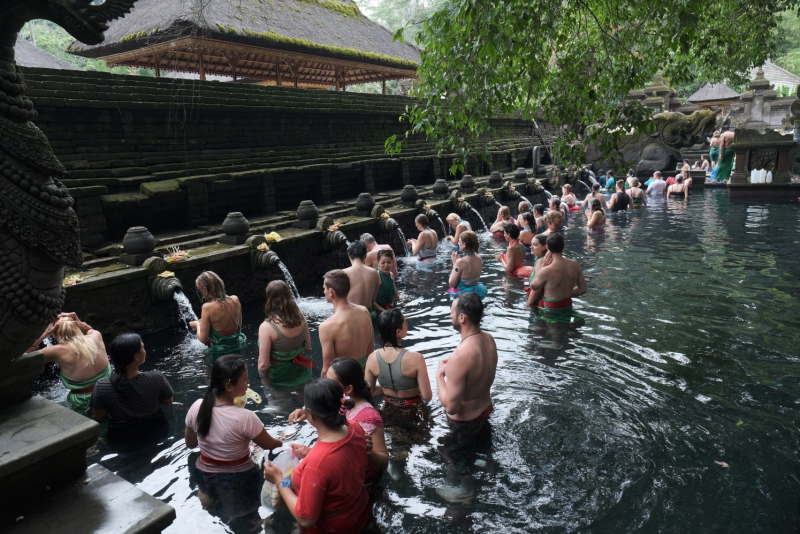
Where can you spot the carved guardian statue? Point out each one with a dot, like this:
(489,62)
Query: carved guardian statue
(39,232)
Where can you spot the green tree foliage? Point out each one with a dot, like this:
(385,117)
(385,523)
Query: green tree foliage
(572,62)
(54,39)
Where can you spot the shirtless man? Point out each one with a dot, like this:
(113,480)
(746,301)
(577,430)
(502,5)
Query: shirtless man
(561,280)
(348,332)
(726,153)
(426,244)
(464,382)
(364,281)
(373,247)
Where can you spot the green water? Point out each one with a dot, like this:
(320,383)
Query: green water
(689,357)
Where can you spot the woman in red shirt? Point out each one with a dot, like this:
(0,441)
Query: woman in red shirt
(326,493)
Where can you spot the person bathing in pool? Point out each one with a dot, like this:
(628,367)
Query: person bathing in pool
(514,257)
(364,281)
(348,332)
(559,281)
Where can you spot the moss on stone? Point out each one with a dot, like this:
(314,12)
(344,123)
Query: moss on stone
(276,38)
(154,188)
(133,36)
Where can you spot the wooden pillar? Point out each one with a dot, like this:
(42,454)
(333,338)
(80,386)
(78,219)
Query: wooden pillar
(278,72)
(294,68)
(234,58)
(384,87)
(202,67)
(156,61)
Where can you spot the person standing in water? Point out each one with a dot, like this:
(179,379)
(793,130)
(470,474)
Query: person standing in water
(424,247)
(464,382)
(364,281)
(81,357)
(638,198)
(559,282)
(539,251)
(597,217)
(514,256)
(387,291)
(713,152)
(458,225)
(523,208)
(373,249)
(466,271)
(594,195)
(658,186)
(220,323)
(620,200)
(348,332)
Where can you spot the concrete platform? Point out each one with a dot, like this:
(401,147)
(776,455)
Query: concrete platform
(97,502)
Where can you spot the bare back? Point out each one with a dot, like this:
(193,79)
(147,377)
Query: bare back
(71,366)
(364,283)
(470,373)
(560,279)
(725,141)
(346,334)
(223,316)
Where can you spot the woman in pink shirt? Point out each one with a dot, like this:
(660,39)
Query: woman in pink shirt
(229,481)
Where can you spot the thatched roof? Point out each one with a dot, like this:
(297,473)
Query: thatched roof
(332,32)
(713,93)
(776,75)
(29,55)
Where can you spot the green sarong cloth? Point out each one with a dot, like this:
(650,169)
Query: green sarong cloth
(222,344)
(286,373)
(386,289)
(363,361)
(373,313)
(725,165)
(713,154)
(558,315)
(80,401)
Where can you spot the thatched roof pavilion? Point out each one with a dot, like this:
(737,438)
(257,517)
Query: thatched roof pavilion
(718,94)
(301,42)
(29,55)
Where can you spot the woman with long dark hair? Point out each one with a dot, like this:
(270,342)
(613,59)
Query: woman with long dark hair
(220,323)
(225,472)
(130,398)
(326,492)
(284,342)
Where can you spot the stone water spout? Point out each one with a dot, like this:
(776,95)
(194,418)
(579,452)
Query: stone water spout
(485,197)
(39,233)
(459,204)
(510,192)
(163,283)
(261,257)
(332,236)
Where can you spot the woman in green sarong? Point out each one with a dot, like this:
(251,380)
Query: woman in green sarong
(387,290)
(81,357)
(713,153)
(284,342)
(220,323)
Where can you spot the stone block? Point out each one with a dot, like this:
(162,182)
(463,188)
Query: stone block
(166,189)
(91,191)
(112,204)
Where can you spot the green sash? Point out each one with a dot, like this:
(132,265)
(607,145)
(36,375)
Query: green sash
(80,401)
(233,343)
(713,154)
(725,165)
(363,361)
(386,289)
(284,372)
(558,315)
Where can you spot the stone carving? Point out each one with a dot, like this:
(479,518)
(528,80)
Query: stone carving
(555,179)
(660,150)
(763,158)
(39,232)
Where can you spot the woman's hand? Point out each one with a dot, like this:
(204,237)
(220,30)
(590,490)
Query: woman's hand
(455,257)
(193,324)
(548,259)
(450,238)
(300,450)
(297,415)
(272,473)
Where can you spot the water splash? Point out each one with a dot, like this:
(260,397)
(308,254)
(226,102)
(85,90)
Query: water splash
(445,233)
(48,341)
(403,239)
(479,217)
(289,280)
(525,199)
(184,307)
(496,203)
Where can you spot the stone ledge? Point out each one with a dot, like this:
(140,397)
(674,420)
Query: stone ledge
(106,503)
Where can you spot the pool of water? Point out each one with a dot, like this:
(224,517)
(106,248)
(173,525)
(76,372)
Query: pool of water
(673,409)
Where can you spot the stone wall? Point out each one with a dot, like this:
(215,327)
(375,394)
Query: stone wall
(168,154)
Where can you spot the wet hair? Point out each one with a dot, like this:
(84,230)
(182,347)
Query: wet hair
(357,250)
(389,322)
(541,238)
(634,182)
(596,205)
(596,187)
(227,369)
(385,253)
(620,185)
(350,373)
(686,161)
(716,133)
(631,172)
(469,304)
(555,215)
(555,243)
(567,188)
(525,208)
(422,220)
(210,287)
(453,217)
(556,201)
(338,280)
(512,230)
(67,332)
(470,239)
(367,239)
(610,173)
(703,156)
(679,179)
(121,352)
(281,305)
(504,212)
(538,208)
(323,398)
(529,218)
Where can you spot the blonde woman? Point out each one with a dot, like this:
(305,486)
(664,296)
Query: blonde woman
(81,357)
(458,226)
(220,324)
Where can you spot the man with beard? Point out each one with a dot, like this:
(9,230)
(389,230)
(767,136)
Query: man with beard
(464,382)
